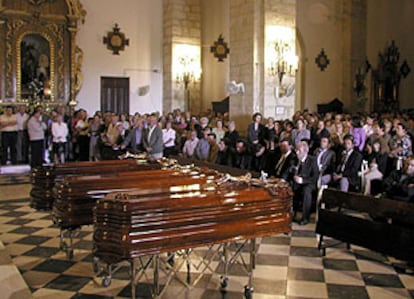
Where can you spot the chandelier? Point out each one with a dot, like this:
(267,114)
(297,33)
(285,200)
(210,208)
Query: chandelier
(284,61)
(186,68)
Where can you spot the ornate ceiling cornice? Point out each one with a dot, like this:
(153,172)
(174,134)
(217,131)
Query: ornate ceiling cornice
(40,2)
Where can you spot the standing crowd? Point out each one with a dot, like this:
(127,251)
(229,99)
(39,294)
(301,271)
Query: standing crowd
(370,153)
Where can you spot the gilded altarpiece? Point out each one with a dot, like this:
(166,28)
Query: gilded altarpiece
(39,57)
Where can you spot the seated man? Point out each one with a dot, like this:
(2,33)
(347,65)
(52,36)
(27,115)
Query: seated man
(230,139)
(203,147)
(400,185)
(223,153)
(214,148)
(243,158)
(326,159)
(286,160)
(346,174)
(304,182)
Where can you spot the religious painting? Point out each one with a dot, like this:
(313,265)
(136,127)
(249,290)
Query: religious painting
(35,66)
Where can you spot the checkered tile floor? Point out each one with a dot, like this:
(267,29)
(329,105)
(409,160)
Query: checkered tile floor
(286,266)
(12,179)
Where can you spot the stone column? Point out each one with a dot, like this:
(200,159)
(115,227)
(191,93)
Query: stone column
(279,98)
(248,21)
(181,26)
(246,59)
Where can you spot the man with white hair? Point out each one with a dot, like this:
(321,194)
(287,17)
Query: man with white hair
(304,182)
(190,145)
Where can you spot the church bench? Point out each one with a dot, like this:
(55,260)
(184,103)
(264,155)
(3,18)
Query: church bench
(43,178)
(379,224)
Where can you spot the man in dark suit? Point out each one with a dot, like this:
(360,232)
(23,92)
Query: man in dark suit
(286,161)
(326,160)
(346,174)
(399,185)
(243,157)
(304,182)
(134,139)
(230,139)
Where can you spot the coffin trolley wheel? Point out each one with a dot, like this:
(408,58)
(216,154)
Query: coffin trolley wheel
(400,269)
(321,248)
(224,281)
(63,245)
(106,281)
(95,265)
(69,253)
(248,292)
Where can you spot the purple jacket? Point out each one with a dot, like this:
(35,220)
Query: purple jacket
(359,137)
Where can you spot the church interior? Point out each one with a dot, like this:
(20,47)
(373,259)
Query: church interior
(237,58)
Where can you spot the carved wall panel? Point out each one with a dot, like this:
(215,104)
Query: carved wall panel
(2,55)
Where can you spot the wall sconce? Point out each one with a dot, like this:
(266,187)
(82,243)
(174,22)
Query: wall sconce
(360,75)
(186,68)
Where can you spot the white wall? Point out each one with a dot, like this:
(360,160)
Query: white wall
(141,21)
(319,26)
(215,21)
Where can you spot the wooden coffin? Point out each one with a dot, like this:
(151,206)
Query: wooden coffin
(76,196)
(43,178)
(156,220)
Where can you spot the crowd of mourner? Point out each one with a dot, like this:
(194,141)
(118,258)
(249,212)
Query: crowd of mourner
(368,153)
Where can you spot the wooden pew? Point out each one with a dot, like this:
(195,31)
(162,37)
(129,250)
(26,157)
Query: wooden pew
(152,221)
(382,225)
(43,178)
